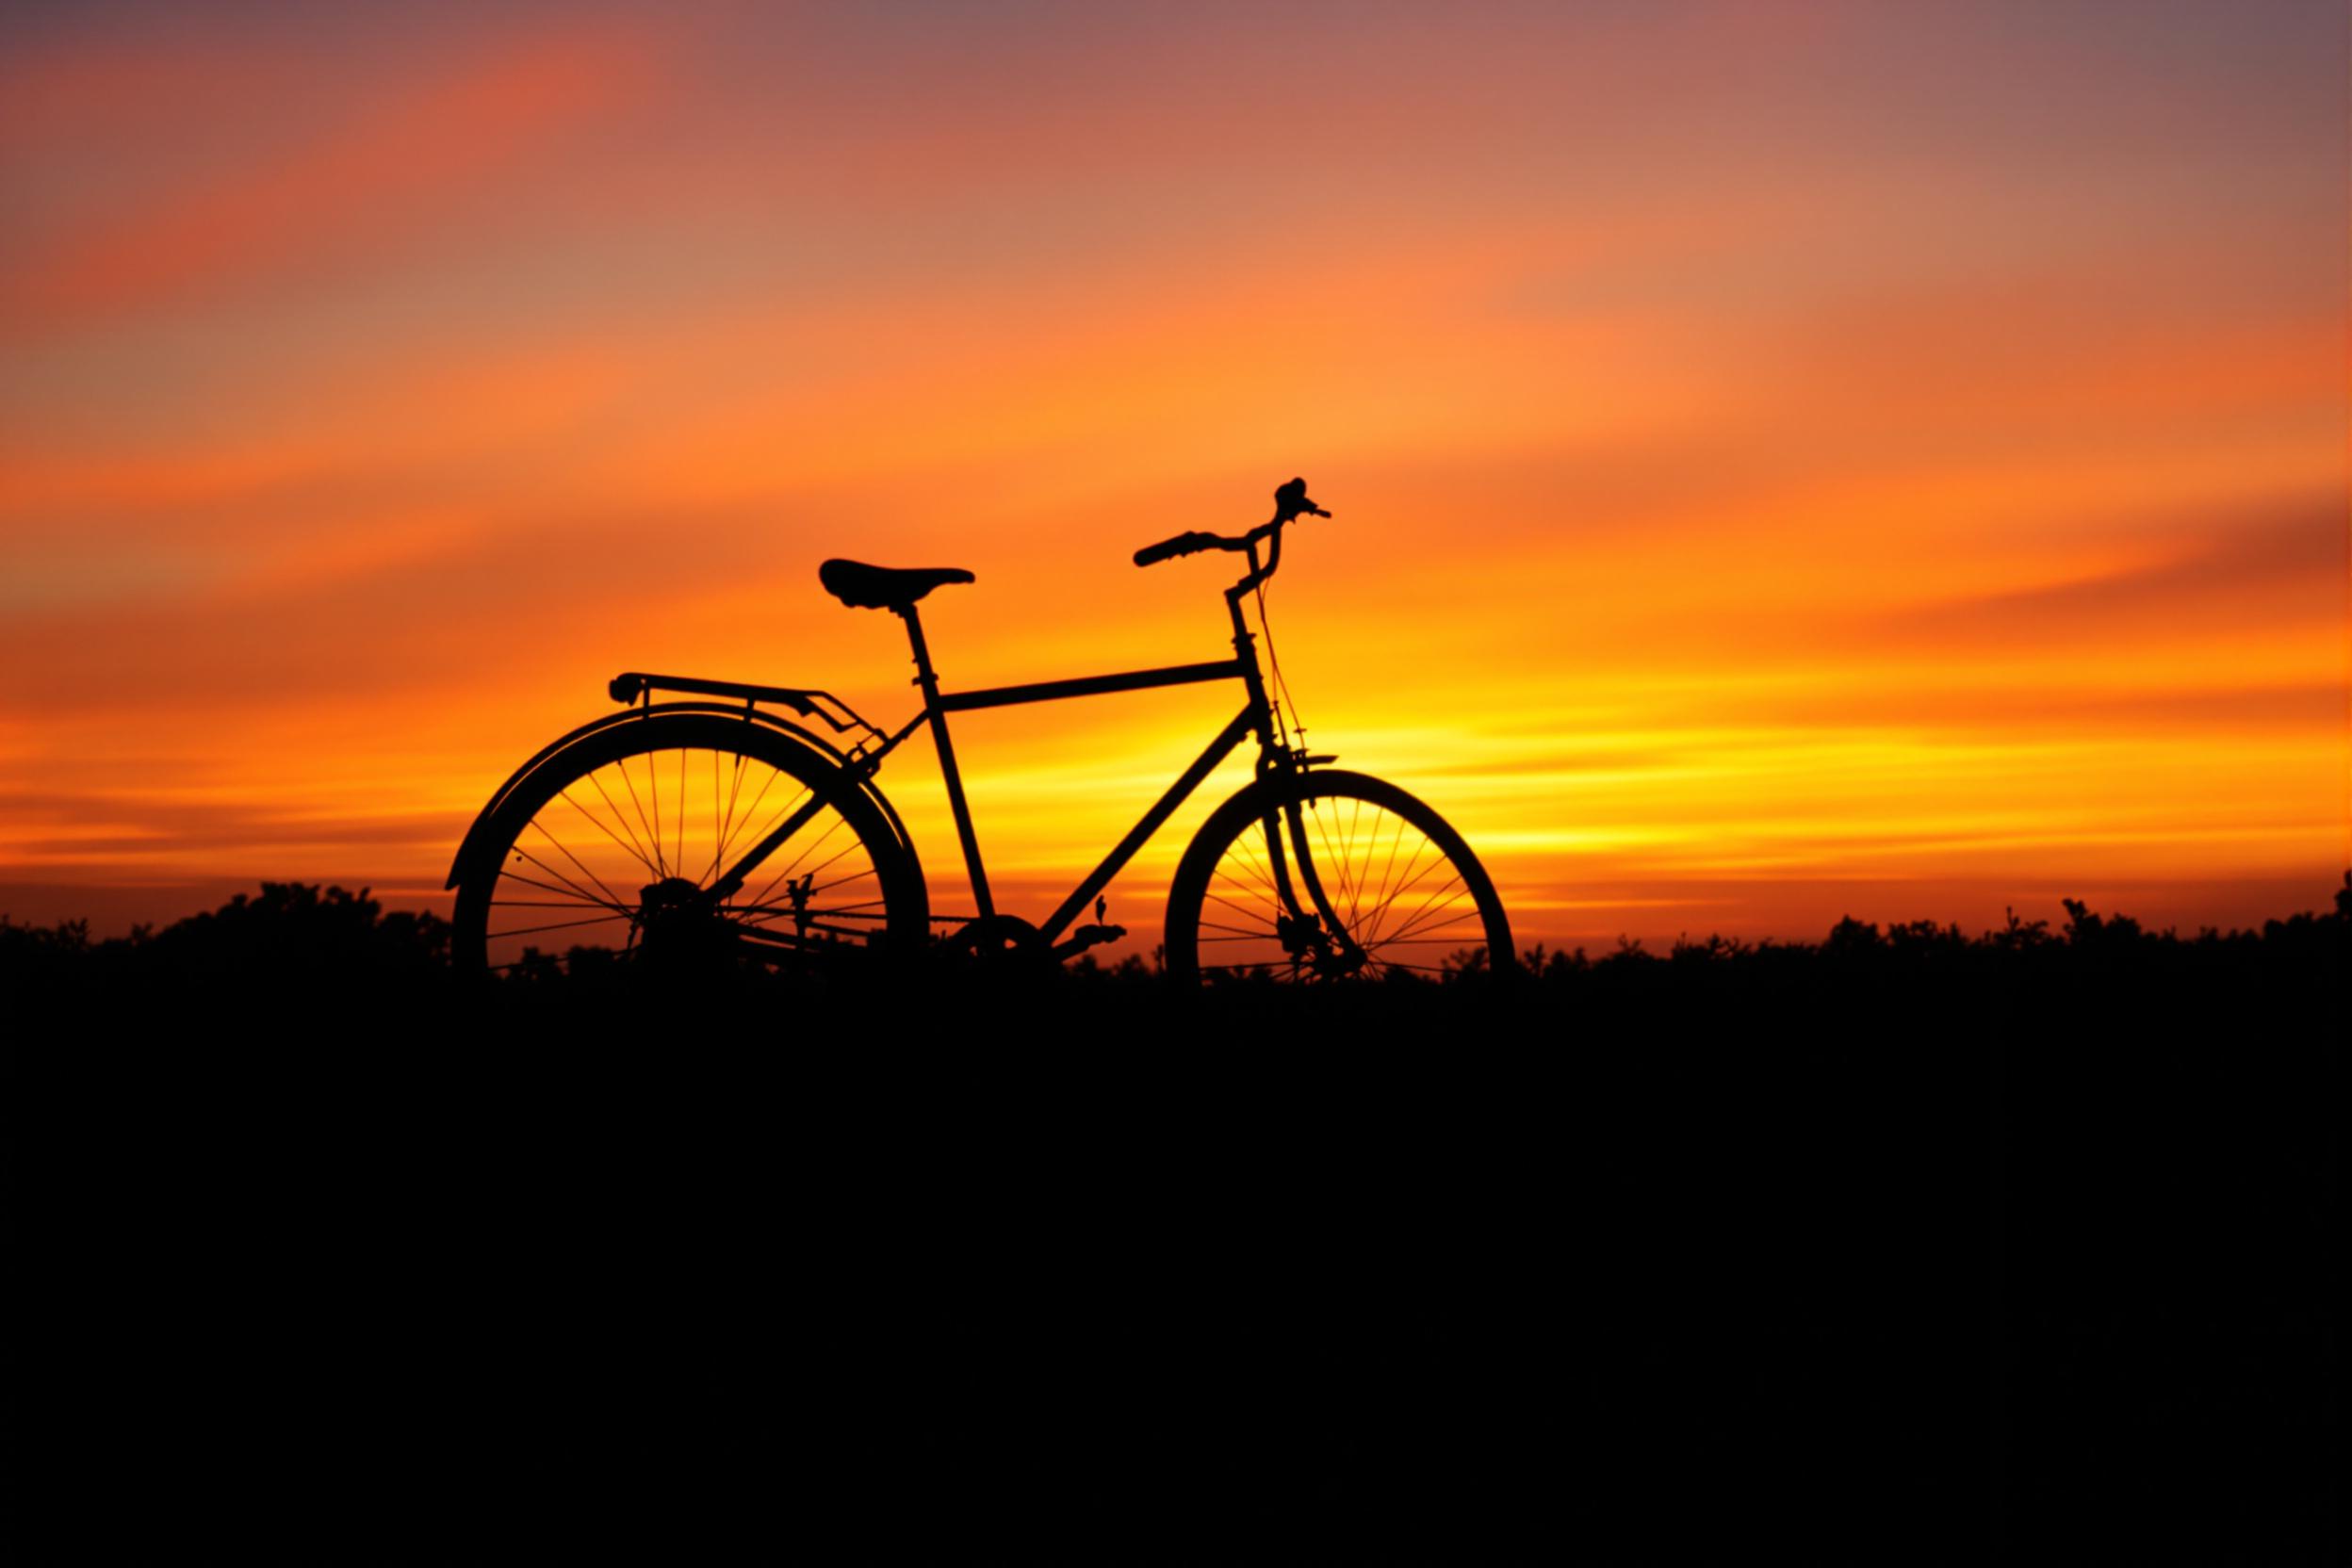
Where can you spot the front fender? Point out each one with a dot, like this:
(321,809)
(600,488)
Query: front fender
(554,749)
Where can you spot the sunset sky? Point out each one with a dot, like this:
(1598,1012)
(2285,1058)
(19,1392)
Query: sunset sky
(1787,460)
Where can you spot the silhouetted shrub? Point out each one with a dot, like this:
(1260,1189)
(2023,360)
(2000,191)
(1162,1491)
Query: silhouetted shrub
(292,937)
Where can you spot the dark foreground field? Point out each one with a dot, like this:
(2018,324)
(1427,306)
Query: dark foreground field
(1904,1248)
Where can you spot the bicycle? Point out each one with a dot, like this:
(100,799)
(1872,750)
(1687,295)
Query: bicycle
(1308,874)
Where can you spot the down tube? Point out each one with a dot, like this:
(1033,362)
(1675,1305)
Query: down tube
(1101,876)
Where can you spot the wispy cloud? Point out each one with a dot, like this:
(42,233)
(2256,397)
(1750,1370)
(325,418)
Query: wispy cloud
(2267,569)
(331,189)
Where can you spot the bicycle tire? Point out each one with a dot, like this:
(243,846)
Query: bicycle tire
(575,853)
(1379,878)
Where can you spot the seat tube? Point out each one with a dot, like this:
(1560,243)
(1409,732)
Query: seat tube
(929,680)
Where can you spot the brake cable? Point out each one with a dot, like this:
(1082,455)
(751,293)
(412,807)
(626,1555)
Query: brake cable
(1281,687)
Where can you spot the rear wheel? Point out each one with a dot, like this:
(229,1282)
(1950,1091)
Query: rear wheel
(617,848)
(1329,877)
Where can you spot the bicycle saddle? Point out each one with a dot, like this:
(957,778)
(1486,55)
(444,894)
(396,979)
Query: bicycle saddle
(863,587)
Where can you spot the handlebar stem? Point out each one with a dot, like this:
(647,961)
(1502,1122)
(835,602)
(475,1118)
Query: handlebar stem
(1258,572)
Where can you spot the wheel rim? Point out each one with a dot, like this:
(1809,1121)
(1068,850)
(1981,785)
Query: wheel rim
(622,856)
(1397,899)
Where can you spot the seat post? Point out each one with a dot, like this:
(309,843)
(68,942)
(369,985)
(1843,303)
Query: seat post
(927,678)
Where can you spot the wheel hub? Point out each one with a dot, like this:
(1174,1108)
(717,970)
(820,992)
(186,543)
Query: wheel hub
(675,920)
(1311,947)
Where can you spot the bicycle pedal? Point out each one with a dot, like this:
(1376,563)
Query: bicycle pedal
(1086,936)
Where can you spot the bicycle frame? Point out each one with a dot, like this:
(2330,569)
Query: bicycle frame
(1256,717)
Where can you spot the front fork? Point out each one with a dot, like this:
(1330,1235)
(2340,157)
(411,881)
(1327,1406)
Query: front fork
(1311,931)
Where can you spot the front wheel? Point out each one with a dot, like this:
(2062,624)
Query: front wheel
(1326,878)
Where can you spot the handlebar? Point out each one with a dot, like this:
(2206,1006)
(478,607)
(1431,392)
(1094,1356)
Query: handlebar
(1184,544)
(1290,503)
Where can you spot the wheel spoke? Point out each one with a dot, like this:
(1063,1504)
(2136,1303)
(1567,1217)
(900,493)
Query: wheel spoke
(1246,933)
(610,901)
(682,808)
(1239,910)
(1388,902)
(838,881)
(566,795)
(653,787)
(595,777)
(1421,922)
(652,837)
(1331,856)
(558,926)
(1427,901)
(1259,891)
(1347,852)
(1337,856)
(782,815)
(1388,869)
(583,898)
(567,851)
(811,849)
(750,811)
(724,828)
(869,909)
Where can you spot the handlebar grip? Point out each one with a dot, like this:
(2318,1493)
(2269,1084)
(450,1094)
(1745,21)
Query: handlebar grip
(1184,544)
(1290,503)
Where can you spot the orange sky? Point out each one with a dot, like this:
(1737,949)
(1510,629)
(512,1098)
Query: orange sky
(1789,460)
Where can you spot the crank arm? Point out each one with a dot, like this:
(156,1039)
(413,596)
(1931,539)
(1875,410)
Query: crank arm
(1085,938)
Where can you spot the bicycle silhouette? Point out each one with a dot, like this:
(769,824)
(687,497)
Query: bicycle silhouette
(721,830)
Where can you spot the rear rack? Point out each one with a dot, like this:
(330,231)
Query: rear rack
(635,686)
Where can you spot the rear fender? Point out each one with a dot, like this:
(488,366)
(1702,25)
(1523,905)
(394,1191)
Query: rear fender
(653,714)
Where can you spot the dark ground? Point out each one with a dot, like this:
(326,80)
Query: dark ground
(1900,1249)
